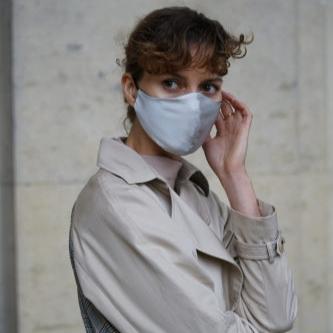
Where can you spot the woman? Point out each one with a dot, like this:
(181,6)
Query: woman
(155,249)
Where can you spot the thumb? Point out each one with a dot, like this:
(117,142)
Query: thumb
(207,139)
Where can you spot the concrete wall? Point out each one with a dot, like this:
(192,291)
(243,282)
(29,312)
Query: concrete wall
(67,96)
(329,132)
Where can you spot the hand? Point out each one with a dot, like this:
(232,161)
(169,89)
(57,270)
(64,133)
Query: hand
(226,152)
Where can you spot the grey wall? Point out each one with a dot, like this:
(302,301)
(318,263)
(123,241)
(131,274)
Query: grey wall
(66,96)
(329,132)
(7,226)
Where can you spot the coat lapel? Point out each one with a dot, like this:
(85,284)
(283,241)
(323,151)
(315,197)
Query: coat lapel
(206,241)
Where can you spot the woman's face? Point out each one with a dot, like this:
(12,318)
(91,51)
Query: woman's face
(182,82)
(188,80)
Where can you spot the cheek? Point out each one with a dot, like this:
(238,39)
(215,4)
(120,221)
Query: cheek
(218,96)
(153,89)
(158,90)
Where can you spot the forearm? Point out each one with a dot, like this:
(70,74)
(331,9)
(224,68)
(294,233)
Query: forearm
(240,192)
(268,296)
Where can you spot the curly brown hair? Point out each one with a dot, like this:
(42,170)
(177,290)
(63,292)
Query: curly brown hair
(161,43)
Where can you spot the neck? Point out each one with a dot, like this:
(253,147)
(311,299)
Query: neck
(139,140)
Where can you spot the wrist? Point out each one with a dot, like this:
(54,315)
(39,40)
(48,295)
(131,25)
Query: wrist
(240,192)
(233,176)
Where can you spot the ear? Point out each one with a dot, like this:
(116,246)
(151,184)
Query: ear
(129,88)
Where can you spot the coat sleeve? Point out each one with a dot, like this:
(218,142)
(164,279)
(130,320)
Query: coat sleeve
(268,298)
(137,270)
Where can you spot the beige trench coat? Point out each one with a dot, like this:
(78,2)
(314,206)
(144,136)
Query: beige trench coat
(146,271)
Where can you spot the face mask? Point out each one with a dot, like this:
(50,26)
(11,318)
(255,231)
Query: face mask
(180,124)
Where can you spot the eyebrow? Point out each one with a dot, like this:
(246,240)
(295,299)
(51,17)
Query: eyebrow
(215,78)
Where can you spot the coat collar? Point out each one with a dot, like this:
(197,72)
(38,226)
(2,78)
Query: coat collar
(117,157)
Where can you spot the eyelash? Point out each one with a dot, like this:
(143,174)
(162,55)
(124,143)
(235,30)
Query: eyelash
(164,82)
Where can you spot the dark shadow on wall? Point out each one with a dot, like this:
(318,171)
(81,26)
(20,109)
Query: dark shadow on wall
(8,296)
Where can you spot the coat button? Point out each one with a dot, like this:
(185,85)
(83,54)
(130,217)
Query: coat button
(280,245)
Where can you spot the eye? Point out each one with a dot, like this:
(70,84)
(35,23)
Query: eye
(210,88)
(171,84)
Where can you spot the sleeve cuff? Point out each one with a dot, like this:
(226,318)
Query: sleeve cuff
(255,229)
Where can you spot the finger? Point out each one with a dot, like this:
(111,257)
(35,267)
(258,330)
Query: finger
(227,109)
(233,99)
(208,138)
(219,124)
(237,104)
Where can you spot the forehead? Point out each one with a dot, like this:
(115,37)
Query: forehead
(186,73)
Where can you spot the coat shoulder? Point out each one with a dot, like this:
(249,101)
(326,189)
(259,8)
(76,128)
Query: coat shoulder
(107,198)
(101,183)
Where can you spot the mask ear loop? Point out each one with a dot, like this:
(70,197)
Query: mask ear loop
(221,105)
(231,111)
(220,110)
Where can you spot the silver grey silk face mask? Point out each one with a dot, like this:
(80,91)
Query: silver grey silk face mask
(180,124)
